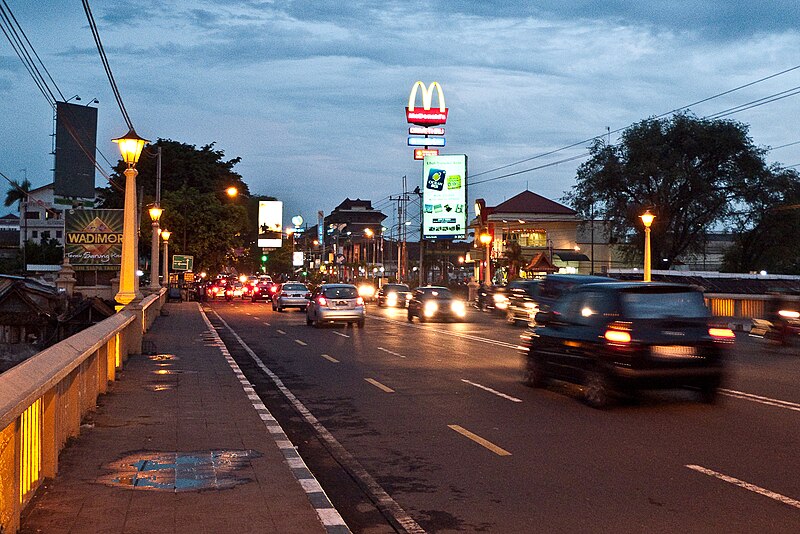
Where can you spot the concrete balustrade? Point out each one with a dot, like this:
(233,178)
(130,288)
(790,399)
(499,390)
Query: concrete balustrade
(44,399)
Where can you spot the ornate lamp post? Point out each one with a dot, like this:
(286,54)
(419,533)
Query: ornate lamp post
(165,236)
(130,146)
(647,219)
(486,240)
(155,215)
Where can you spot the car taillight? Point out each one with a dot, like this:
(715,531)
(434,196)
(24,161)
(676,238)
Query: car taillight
(273,289)
(721,333)
(617,336)
(307,295)
(360,301)
(321,301)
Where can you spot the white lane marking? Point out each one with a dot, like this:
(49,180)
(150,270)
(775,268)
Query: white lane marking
(480,441)
(301,343)
(380,386)
(390,352)
(450,333)
(330,358)
(280,331)
(746,485)
(490,390)
(340,334)
(267,324)
(761,400)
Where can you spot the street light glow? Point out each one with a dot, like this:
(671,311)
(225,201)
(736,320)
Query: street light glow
(130,146)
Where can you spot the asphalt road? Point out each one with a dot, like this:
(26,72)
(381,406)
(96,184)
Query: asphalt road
(436,417)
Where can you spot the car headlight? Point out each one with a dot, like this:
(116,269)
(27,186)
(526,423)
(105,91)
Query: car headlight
(430,308)
(458,308)
(366,290)
(531,305)
(391,299)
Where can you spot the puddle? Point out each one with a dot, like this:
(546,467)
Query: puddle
(162,357)
(159,387)
(174,372)
(181,471)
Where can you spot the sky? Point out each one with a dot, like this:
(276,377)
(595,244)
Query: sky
(311,94)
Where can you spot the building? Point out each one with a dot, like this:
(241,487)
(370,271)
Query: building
(9,237)
(529,235)
(41,218)
(354,238)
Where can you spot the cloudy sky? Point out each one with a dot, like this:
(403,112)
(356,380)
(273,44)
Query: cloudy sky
(311,94)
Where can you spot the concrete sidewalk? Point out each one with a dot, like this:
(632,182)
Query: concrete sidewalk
(179,446)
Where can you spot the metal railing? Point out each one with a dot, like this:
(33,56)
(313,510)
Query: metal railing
(44,399)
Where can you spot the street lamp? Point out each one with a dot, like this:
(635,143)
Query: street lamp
(370,234)
(232,191)
(165,236)
(155,216)
(647,219)
(130,146)
(486,239)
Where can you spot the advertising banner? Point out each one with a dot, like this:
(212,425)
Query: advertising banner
(297,259)
(76,137)
(93,239)
(270,223)
(444,197)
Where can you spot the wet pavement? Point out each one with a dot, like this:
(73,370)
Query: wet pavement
(176,446)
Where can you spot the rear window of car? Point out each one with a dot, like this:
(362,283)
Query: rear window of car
(294,287)
(343,292)
(395,287)
(663,305)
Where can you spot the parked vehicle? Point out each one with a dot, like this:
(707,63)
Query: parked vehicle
(331,303)
(290,295)
(621,337)
(435,302)
(394,295)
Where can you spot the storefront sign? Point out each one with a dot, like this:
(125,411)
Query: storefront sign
(444,197)
(93,239)
(425,116)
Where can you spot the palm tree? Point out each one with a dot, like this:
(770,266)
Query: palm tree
(17,192)
(514,259)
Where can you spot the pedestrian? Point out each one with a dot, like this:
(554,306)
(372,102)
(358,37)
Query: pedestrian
(472,286)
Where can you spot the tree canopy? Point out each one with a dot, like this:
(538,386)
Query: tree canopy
(694,174)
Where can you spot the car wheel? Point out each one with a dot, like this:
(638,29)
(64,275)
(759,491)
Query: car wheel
(360,323)
(309,322)
(534,374)
(709,394)
(280,308)
(597,389)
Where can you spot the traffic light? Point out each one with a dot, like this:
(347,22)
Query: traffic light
(264,258)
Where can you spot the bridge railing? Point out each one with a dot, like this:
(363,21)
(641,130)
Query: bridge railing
(44,399)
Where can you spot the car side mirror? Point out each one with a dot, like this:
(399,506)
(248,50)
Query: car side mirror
(543,317)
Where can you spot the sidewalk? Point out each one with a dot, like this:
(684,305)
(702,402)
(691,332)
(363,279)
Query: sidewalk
(177,446)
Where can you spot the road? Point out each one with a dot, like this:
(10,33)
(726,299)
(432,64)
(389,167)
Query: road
(436,418)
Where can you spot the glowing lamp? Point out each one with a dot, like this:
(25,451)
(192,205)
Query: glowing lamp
(155,213)
(647,218)
(486,238)
(165,235)
(130,146)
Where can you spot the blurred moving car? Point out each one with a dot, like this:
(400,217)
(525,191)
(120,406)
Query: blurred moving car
(335,303)
(435,302)
(290,295)
(394,295)
(366,291)
(521,295)
(620,337)
(554,285)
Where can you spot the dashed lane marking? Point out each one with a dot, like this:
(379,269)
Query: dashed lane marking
(746,485)
(330,358)
(280,331)
(340,334)
(380,386)
(301,343)
(390,352)
(490,390)
(480,441)
(786,405)
(267,324)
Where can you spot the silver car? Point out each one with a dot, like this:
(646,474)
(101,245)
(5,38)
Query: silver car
(290,295)
(336,303)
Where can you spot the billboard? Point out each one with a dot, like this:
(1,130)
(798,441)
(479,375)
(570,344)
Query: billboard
(76,137)
(270,223)
(444,197)
(427,115)
(93,239)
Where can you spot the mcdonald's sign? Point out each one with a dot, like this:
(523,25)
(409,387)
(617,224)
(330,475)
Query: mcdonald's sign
(426,115)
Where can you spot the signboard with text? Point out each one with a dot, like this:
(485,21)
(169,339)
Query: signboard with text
(444,197)
(270,223)
(182,263)
(93,239)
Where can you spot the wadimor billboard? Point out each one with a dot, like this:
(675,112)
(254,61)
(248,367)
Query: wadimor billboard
(93,239)
(444,197)
(270,223)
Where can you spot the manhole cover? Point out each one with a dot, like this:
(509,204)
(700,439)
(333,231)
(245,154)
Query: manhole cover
(181,471)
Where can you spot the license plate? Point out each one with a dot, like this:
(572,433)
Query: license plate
(673,351)
(342,303)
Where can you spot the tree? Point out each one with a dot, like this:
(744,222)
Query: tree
(204,221)
(17,192)
(513,259)
(693,174)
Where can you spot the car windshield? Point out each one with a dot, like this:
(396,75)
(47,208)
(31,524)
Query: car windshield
(340,292)
(294,287)
(662,305)
(395,287)
(438,293)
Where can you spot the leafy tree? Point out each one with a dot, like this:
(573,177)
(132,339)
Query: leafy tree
(17,192)
(48,252)
(693,174)
(513,259)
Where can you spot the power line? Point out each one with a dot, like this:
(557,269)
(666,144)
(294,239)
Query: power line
(784,146)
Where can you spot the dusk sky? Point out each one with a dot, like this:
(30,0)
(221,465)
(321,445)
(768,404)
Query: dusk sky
(311,94)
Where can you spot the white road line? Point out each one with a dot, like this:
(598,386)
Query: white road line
(280,331)
(390,352)
(330,358)
(480,441)
(380,386)
(449,333)
(267,324)
(746,485)
(761,400)
(490,390)
(301,343)
(340,334)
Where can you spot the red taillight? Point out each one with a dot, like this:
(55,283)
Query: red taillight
(215,290)
(273,289)
(307,295)
(617,336)
(721,333)
(360,301)
(321,301)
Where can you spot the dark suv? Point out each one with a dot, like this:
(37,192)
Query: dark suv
(624,336)
(554,285)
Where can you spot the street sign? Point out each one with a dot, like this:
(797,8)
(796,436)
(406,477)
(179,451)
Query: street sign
(422,130)
(182,263)
(425,141)
(420,153)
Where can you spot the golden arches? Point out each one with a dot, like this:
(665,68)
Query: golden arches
(427,96)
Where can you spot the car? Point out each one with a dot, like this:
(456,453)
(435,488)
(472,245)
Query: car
(554,285)
(621,337)
(263,291)
(290,295)
(521,296)
(393,295)
(336,303)
(435,302)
